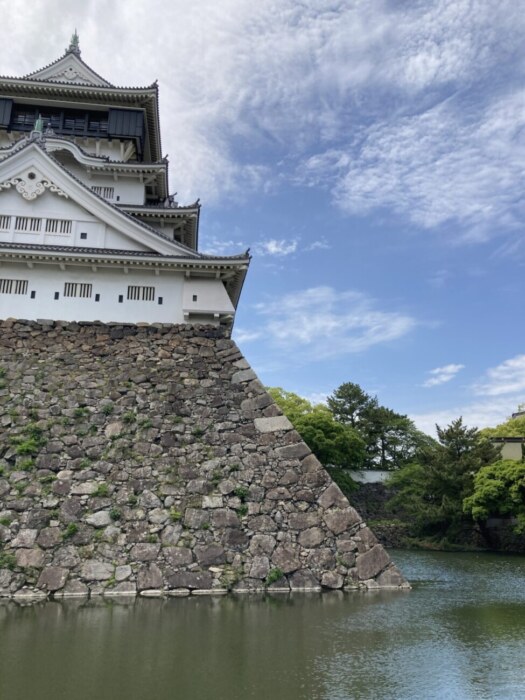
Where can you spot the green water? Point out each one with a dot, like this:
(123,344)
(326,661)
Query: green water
(460,633)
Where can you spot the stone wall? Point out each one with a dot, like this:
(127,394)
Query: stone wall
(150,459)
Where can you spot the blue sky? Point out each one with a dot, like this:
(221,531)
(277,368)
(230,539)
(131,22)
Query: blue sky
(370,153)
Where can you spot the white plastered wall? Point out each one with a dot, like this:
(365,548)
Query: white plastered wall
(127,189)
(51,206)
(47,280)
(206,296)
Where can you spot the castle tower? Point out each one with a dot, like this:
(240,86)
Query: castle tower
(134,458)
(88,229)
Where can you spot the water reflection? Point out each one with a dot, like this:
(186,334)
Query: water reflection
(459,634)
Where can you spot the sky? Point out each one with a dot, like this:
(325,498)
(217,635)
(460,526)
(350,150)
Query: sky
(370,153)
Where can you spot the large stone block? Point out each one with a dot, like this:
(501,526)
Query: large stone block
(371,563)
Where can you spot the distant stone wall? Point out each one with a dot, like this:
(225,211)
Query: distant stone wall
(150,459)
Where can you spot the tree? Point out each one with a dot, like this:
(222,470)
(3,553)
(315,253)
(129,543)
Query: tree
(513,427)
(499,490)
(391,439)
(350,404)
(432,490)
(333,443)
(292,405)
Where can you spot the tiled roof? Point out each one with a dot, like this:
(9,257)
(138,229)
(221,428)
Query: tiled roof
(116,251)
(136,221)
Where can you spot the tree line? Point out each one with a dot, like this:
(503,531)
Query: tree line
(443,487)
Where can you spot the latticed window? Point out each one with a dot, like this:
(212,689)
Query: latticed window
(58,226)
(78,289)
(5,223)
(137,293)
(27,224)
(13,286)
(106,192)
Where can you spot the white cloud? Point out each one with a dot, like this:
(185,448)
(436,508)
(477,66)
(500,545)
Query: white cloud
(481,414)
(321,322)
(214,245)
(506,379)
(441,375)
(279,248)
(242,335)
(501,389)
(321,244)
(316,397)
(238,79)
(437,167)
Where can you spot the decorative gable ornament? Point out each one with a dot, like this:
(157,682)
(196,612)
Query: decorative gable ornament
(31,184)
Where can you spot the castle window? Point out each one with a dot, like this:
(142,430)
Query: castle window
(58,226)
(83,236)
(194,297)
(78,289)
(27,224)
(137,293)
(5,223)
(106,192)
(13,286)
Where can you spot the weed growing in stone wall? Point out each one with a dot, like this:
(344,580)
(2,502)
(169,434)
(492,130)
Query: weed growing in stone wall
(273,576)
(71,531)
(31,440)
(102,490)
(242,493)
(7,561)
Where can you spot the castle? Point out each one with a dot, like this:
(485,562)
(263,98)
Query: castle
(88,228)
(139,453)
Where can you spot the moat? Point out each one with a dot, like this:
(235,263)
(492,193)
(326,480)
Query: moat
(460,633)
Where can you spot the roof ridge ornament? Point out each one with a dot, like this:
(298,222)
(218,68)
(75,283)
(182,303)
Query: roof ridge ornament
(74,46)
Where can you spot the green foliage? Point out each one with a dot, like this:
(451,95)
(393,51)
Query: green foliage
(7,560)
(70,531)
(241,492)
(292,405)
(332,442)
(129,417)
(514,427)
(432,490)
(115,514)
(351,405)
(30,441)
(107,409)
(5,522)
(273,576)
(175,515)
(81,412)
(390,439)
(499,490)
(3,372)
(353,430)
(242,510)
(102,490)
(343,479)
